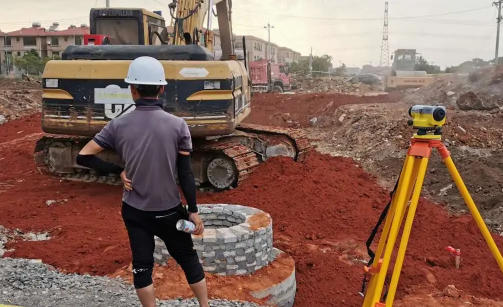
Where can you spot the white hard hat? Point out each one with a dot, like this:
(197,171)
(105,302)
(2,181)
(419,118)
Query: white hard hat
(146,70)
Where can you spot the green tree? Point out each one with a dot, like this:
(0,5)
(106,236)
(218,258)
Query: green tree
(341,70)
(320,63)
(301,67)
(32,63)
(423,65)
(323,63)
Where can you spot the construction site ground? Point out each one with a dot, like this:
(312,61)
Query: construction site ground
(323,209)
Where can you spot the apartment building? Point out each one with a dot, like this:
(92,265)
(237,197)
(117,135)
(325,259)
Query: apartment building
(47,42)
(287,55)
(58,41)
(257,49)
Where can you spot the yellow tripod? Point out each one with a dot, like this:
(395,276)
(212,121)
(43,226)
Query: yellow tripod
(428,120)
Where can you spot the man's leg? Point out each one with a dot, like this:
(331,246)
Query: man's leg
(181,247)
(200,290)
(142,244)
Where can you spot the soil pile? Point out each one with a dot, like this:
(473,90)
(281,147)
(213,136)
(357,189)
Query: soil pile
(331,85)
(19,98)
(304,110)
(378,136)
(480,90)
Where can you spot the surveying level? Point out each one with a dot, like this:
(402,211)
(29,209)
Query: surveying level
(428,121)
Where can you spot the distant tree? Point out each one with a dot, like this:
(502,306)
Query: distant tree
(450,70)
(32,63)
(323,63)
(423,65)
(341,70)
(301,67)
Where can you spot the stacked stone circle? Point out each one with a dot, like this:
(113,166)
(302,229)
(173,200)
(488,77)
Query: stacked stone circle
(228,245)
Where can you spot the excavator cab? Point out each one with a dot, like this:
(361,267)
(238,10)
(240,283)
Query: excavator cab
(119,26)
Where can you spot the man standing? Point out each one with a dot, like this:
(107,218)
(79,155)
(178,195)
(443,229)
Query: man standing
(152,143)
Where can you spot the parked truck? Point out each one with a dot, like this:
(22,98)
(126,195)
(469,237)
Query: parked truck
(267,77)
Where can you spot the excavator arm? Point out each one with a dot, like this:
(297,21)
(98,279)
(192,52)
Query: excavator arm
(189,15)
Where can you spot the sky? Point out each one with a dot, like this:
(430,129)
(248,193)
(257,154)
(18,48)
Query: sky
(444,32)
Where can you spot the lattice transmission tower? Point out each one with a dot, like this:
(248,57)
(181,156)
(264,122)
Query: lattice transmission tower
(384,44)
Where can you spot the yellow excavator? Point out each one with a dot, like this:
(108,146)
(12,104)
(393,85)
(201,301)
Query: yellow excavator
(86,89)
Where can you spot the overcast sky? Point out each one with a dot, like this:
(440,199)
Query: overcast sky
(348,30)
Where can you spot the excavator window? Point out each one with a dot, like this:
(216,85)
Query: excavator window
(123,31)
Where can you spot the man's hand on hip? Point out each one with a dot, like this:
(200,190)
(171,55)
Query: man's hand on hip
(194,217)
(128,185)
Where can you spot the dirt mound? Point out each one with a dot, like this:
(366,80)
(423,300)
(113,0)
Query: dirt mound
(19,98)
(332,85)
(378,135)
(304,110)
(480,90)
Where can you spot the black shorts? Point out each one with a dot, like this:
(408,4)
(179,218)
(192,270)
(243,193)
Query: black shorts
(142,226)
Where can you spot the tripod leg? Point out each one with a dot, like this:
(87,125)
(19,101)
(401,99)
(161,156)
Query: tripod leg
(399,201)
(423,164)
(384,237)
(471,205)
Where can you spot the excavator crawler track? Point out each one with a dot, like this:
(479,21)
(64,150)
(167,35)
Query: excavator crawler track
(298,137)
(70,146)
(223,163)
(245,160)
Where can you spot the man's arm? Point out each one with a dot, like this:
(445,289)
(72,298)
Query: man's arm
(186,179)
(185,175)
(87,155)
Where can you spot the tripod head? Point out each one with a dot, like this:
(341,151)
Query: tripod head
(428,120)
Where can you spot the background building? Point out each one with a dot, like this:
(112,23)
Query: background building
(53,41)
(46,42)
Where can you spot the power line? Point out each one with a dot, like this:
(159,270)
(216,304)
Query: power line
(419,34)
(370,19)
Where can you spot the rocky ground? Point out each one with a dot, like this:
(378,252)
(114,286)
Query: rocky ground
(480,90)
(19,98)
(377,135)
(32,283)
(331,85)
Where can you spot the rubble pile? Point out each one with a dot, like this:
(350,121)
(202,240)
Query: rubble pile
(331,85)
(480,90)
(377,135)
(19,98)
(306,110)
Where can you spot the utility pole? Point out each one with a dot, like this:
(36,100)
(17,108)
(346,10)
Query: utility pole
(268,51)
(311,62)
(498,4)
(108,3)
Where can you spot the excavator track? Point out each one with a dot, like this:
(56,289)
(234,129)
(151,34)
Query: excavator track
(51,148)
(269,133)
(220,172)
(224,162)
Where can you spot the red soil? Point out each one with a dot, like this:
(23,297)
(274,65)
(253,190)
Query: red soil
(170,280)
(323,211)
(298,110)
